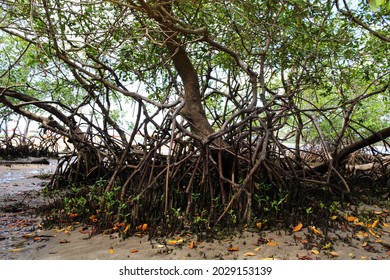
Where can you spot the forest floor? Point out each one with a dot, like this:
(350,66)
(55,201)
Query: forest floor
(353,235)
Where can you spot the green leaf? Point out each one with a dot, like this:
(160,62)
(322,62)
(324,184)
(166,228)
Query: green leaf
(373,5)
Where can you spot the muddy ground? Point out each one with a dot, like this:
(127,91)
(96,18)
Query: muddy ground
(361,232)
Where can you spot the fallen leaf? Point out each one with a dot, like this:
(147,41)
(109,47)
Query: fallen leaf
(267,259)
(303,257)
(37,238)
(315,252)
(142,227)
(373,233)
(298,227)
(64,241)
(272,243)
(364,244)
(361,234)
(333,217)
(257,249)
(388,253)
(93,218)
(334,254)
(73,215)
(258,225)
(16,250)
(192,245)
(126,229)
(27,235)
(326,246)
(233,249)
(133,251)
(175,241)
(111,251)
(250,254)
(375,223)
(351,218)
(315,231)
(377,212)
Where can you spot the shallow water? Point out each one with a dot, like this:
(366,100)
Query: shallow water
(19,178)
(19,184)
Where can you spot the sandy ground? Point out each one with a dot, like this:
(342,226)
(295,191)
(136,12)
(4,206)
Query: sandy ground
(22,237)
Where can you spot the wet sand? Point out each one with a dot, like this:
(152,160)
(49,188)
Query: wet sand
(22,237)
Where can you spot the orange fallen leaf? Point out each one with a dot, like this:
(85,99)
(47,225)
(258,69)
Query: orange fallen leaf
(126,229)
(192,245)
(73,215)
(258,225)
(233,249)
(111,251)
(37,238)
(315,231)
(351,218)
(250,254)
(142,227)
(297,227)
(388,253)
(133,251)
(272,243)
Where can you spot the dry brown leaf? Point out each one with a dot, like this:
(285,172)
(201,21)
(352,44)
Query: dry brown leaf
(298,227)
(250,254)
(64,241)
